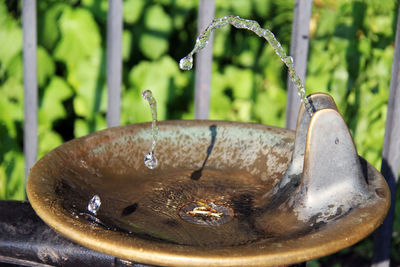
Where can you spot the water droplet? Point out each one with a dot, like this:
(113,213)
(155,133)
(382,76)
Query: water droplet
(150,161)
(201,41)
(186,63)
(147,95)
(94,204)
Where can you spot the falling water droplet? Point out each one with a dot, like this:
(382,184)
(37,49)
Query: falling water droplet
(186,63)
(94,204)
(150,159)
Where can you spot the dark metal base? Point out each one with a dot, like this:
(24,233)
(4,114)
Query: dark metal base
(26,240)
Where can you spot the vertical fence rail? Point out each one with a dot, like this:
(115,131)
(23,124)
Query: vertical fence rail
(30,83)
(114,61)
(203,62)
(299,52)
(390,159)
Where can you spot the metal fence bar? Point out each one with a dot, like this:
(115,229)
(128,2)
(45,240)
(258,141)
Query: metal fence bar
(390,159)
(299,52)
(30,84)
(114,61)
(203,62)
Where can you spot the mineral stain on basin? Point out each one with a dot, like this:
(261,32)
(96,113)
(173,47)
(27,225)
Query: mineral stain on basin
(166,204)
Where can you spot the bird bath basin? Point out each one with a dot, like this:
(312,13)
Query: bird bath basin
(223,194)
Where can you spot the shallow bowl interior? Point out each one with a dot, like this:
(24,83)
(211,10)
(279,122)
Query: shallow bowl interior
(223,167)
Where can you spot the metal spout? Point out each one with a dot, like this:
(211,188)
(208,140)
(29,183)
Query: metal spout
(326,178)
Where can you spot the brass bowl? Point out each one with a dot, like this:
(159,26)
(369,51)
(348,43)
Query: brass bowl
(228,168)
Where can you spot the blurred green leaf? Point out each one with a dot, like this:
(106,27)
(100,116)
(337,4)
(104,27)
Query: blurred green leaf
(10,36)
(241,8)
(164,2)
(246,58)
(83,127)
(79,36)
(126,44)
(262,7)
(11,105)
(88,79)
(220,103)
(153,46)
(153,42)
(51,109)
(15,68)
(157,20)
(132,10)
(269,107)
(3,183)
(220,42)
(51,106)
(186,4)
(80,128)
(98,8)
(13,170)
(241,110)
(240,80)
(48,140)
(48,30)
(45,66)
(381,24)
(326,26)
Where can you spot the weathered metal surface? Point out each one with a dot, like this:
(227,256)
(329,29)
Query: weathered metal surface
(203,62)
(326,165)
(319,101)
(241,164)
(332,181)
(114,62)
(299,52)
(30,83)
(390,159)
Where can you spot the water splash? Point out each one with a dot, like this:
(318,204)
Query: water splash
(186,63)
(150,159)
(94,204)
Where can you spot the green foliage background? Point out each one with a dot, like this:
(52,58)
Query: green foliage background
(350,57)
